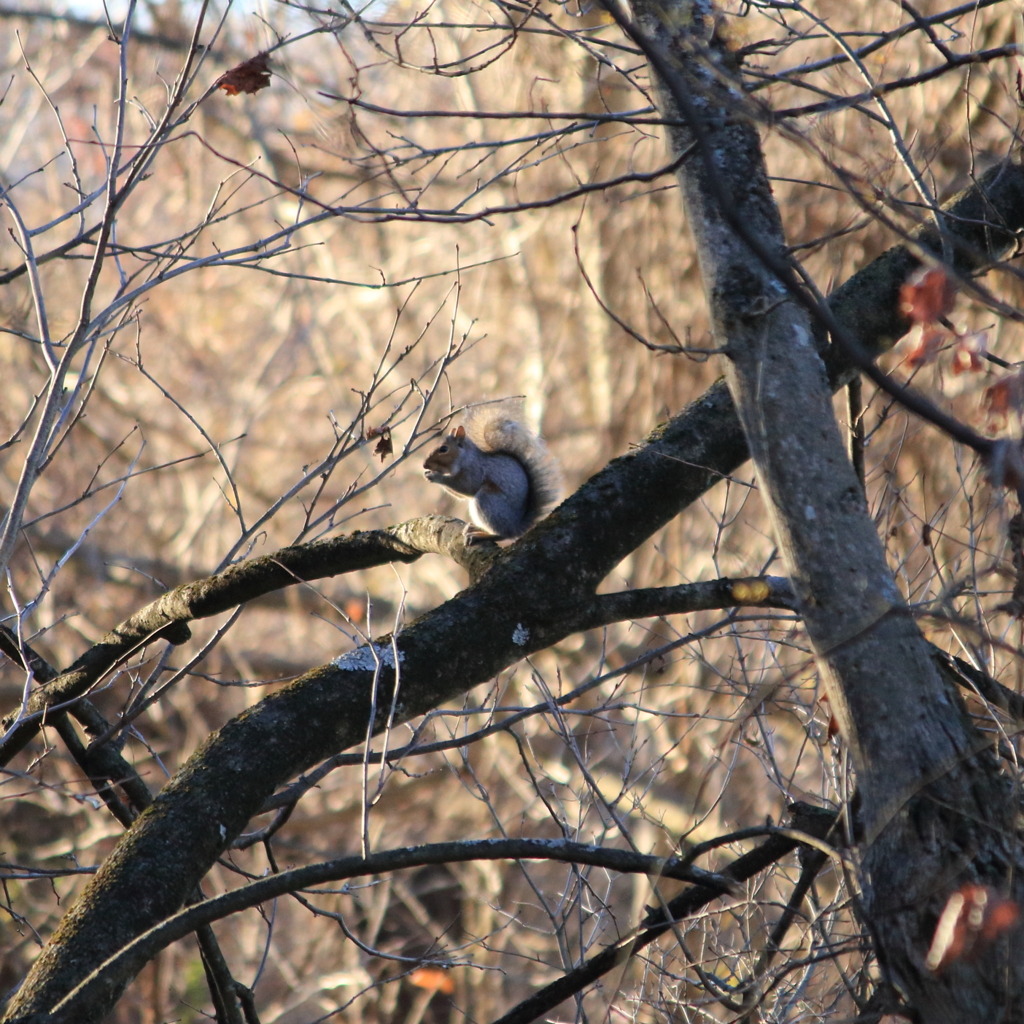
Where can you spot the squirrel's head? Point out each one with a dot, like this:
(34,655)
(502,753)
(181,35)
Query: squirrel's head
(444,455)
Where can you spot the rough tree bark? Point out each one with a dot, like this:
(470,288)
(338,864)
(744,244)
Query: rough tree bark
(936,811)
(932,798)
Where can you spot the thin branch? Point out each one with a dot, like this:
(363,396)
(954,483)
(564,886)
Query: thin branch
(169,614)
(812,820)
(957,61)
(132,956)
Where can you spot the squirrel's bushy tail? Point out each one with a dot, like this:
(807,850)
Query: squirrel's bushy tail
(498,427)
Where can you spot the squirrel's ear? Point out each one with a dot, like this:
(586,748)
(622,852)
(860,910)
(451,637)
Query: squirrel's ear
(459,432)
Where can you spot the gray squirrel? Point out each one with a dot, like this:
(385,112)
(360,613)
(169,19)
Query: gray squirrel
(501,466)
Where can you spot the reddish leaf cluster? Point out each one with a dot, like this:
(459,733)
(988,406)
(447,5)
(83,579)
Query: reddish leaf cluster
(1004,397)
(249,76)
(926,299)
(927,295)
(974,915)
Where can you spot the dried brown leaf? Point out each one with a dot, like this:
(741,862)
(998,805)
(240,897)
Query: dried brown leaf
(250,76)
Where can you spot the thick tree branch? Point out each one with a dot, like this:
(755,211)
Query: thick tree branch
(168,616)
(755,591)
(294,792)
(105,767)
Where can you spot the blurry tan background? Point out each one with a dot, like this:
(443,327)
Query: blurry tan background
(271,367)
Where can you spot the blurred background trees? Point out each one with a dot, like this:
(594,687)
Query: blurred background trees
(430,205)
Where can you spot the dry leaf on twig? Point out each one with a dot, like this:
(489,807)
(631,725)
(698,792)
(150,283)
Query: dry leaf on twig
(249,76)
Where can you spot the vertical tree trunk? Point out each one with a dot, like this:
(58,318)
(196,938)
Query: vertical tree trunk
(935,810)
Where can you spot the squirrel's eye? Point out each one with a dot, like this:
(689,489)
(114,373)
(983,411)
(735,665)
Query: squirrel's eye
(443,449)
